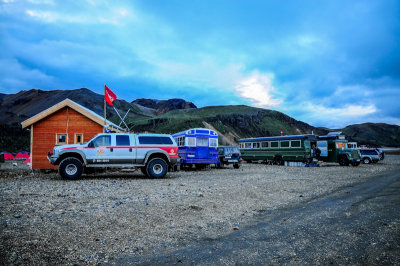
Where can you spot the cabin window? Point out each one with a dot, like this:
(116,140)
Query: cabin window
(213,142)
(61,138)
(285,144)
(122,140)
(78,138)
(190,141)
(274,144)
(202,142)
(264,144)
(295,143)
(256,145)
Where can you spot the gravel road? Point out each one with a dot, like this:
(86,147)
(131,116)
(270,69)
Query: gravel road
(103,218)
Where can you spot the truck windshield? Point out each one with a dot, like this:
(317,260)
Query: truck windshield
(341,145)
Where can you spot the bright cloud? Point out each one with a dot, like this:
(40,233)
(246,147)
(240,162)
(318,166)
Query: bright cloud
(45,16)
(337,117)
(340,112)
(258,89)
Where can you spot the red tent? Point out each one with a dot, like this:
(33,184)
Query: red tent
(22,155)
(8,156)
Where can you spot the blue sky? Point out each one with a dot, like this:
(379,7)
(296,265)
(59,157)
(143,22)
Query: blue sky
(327,63)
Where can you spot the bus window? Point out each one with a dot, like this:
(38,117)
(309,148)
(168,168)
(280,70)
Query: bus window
(203,142)
(274,144)
(213,142)
(256,145)
(180,141)
(247,145)
(295,143)
(285,144)
(264,144)
(190,141)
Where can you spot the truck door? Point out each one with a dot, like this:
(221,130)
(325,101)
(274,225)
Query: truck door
(123,152)
(98,151)
(141,149)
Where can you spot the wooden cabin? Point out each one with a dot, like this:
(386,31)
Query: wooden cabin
(64,123)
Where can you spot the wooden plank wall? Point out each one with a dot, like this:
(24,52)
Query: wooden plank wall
(44,134)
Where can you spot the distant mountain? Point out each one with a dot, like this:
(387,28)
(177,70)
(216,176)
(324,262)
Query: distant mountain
(374,134)
(24,104)
(174,115)
(158,107)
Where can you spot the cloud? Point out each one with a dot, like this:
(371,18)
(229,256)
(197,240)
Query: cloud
(258,89)
(45,11)
(337,117)
(15,77)
(349,110)
(44,16)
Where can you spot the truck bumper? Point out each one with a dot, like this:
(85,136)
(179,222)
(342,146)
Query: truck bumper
(52,159)
(231,161)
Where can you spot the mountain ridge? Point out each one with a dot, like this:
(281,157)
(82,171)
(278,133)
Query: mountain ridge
(233,121)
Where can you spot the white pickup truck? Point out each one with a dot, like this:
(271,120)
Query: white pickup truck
(154,154)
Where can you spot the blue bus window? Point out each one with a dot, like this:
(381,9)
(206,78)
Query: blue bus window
(203,142)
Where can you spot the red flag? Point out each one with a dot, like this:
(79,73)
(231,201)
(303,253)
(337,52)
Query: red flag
(109,96)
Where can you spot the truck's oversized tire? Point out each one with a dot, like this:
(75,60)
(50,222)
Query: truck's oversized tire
(156,168)
(236,165)
(70,168)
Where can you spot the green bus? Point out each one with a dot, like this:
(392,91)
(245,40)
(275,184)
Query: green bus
(296,148)
(299,148)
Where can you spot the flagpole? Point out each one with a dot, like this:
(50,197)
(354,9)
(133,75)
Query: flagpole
(104,108)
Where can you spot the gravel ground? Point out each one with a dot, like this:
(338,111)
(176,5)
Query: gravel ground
(48,220)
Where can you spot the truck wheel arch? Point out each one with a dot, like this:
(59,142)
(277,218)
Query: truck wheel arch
(157,153)
(77,155)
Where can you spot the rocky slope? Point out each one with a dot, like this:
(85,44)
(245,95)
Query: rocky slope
(158,107)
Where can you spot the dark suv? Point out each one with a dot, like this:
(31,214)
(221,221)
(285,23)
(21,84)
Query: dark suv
(229,155)
(369,155)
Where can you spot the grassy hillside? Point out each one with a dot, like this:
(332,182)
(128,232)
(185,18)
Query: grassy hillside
(238,121)
(374,134)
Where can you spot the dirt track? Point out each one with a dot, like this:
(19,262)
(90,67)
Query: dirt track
(109,217)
